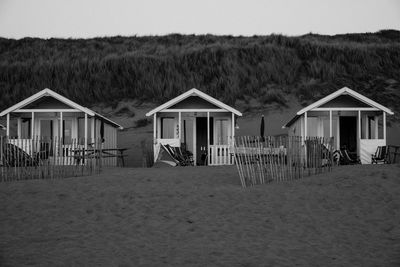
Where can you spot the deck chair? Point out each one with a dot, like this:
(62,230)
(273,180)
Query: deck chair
(185,156)
(178,155)
(347,160)
(175,153)
(165,158)
(380,155)
(337,155)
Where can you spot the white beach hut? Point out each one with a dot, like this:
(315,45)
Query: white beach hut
(48,114)
(202,123)
(355,121)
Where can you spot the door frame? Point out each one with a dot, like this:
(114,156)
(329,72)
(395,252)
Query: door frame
(355,117)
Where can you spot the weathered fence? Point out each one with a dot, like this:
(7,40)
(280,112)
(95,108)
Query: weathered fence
(393,154)
(264,159)
(44,158)
(147,153)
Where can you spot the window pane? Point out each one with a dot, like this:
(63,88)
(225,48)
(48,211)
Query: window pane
(46,130)
(167,131)
(67,127)
(187,129)
(326,125)
(25,128)
(81,130)
(221,132)
(312,126)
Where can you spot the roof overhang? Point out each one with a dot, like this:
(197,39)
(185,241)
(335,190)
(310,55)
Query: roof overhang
(374,106)
(194,92)
(19,107)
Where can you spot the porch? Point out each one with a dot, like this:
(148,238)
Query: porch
(206,135)
(357,123)
(197,122)
(48,124)
(358,131)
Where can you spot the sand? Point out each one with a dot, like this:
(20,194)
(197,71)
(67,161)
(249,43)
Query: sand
(200,216)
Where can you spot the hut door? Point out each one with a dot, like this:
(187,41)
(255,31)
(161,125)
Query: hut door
(348,133)
(201,139)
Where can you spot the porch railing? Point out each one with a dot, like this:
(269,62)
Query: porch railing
(220,155)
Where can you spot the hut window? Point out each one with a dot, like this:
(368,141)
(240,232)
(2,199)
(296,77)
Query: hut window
(46,129)
(221,131)
(25,128)
(81,131)
(312,126)
(67,134)
(167,128)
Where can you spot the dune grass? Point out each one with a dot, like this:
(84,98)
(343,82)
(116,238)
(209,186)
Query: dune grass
(200,216)
(157,68)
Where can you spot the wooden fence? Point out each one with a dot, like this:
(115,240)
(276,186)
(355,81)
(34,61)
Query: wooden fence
(147,153)
(393,154)
(264,159)
(44,158)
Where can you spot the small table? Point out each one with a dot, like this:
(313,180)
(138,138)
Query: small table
(115,152)
(102,153)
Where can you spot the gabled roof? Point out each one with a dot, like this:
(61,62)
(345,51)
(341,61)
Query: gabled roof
(48,92)
(194,92)
(343,91)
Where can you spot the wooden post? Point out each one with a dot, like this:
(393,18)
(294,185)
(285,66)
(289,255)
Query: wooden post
(19,124)
(154,135)
(194,141)
(61,127)
(376,127)
(179,128)
(305,125)
(305,137)
(330,123)
(208,137)
(93,130)
(359,133)
(230,160)
(86,130)
(33,125)
(384,126)
(359,124)
(155,127)
(8,125)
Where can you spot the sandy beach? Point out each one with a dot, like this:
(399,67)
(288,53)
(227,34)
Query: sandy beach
(200,216)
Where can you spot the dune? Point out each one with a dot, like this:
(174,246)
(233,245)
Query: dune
(200,216)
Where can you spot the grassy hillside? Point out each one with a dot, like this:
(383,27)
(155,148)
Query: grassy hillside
(231,68)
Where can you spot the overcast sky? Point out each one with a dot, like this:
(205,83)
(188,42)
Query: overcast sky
(96,18)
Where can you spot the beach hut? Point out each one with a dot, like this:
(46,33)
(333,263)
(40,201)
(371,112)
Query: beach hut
(355,121)
(51,116)
(198,122)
